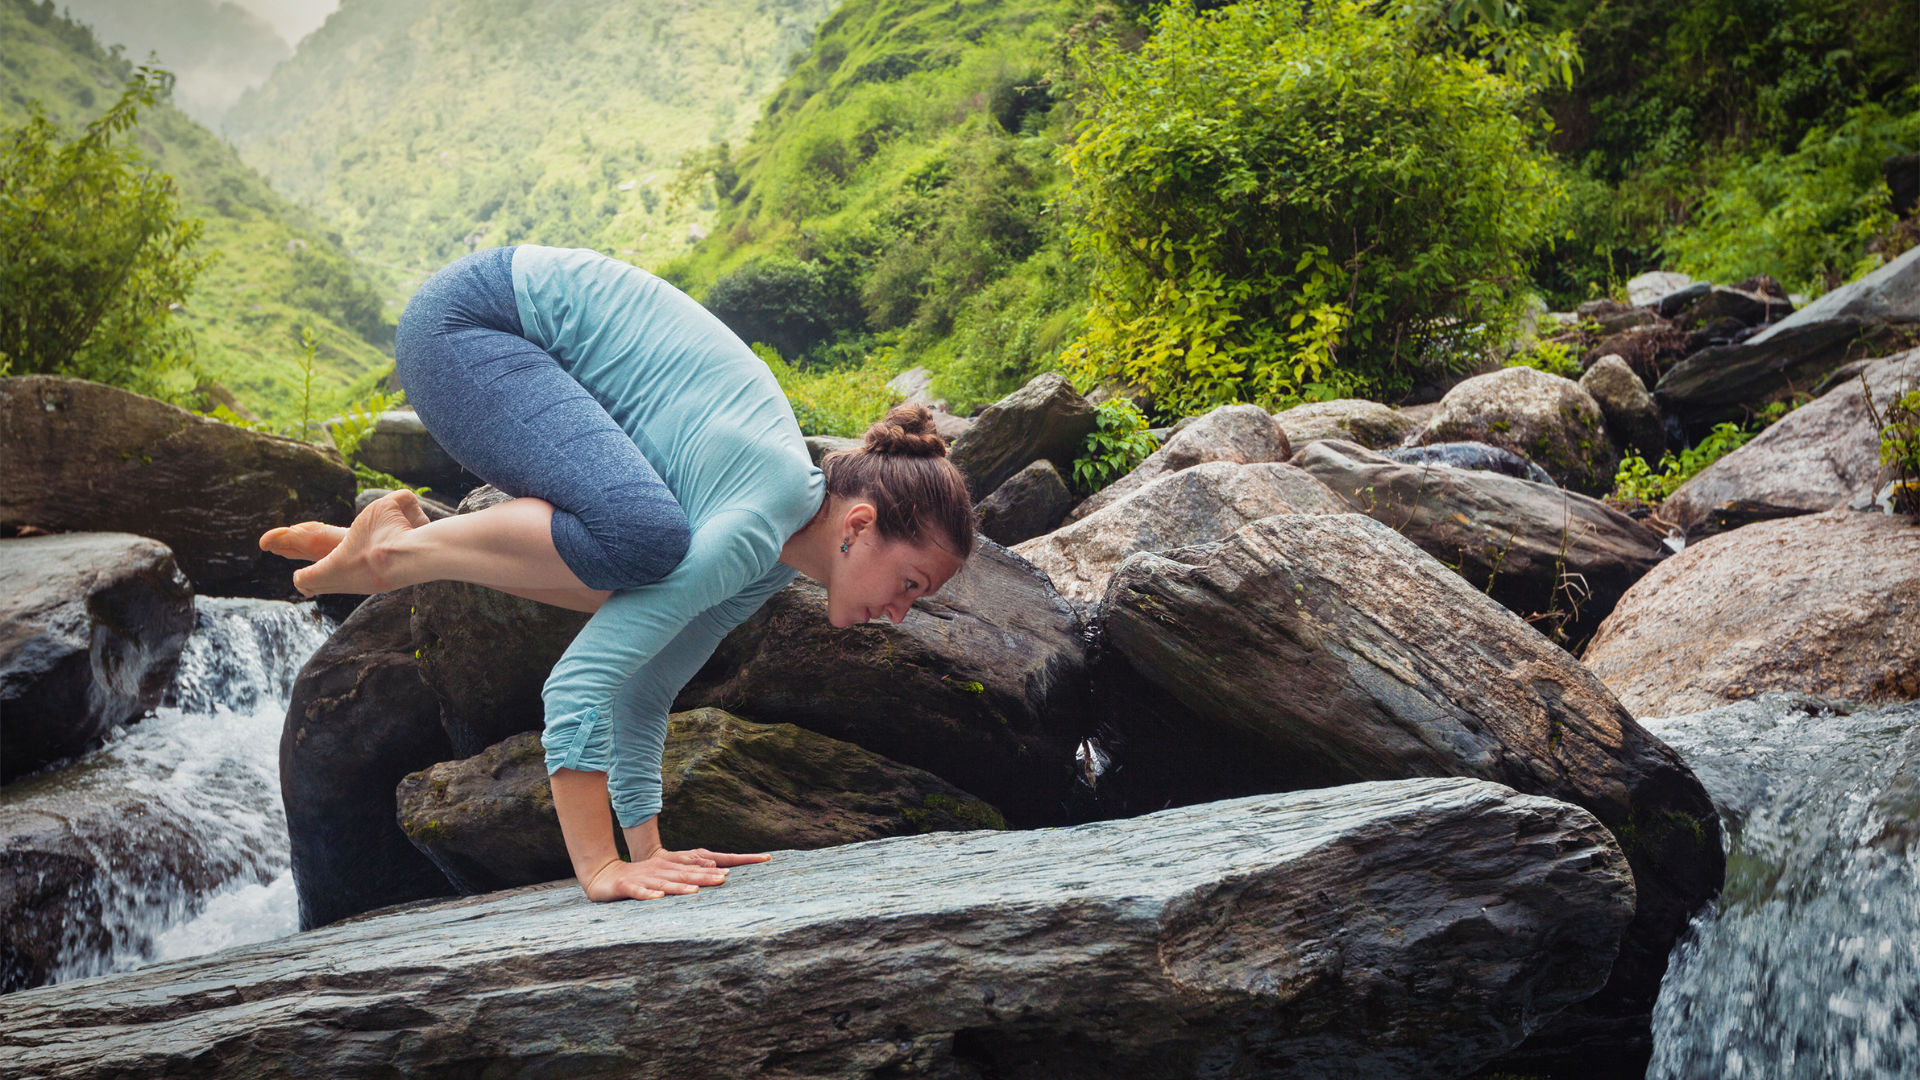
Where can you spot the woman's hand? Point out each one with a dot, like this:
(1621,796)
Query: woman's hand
(664,873)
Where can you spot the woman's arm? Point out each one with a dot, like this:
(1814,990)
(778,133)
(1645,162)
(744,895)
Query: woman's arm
(580,799)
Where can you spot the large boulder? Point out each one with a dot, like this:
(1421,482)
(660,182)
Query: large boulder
(400,445)
(1192,506)
(1354,420)
(1824,454)
(1748,307)
(91,627)
(727,784)
(1826,604)
(1633,420)
(1544,418)
(1030,503)
(981,684)
(1414,929)
(1731,382)
(1556,558)
(1340,652)
(84,456)
(1241,434)
(1046,418)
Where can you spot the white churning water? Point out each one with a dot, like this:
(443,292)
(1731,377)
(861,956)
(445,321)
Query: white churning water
(209,764)
(1809,964)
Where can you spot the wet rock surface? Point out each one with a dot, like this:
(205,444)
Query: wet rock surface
(1476,456)
(1342,932)
(1544,418)
(1205,502)
(1240,434)
(91,627)
(1367,423)
(982,684)
(727,785)
(1031,502)
(1343,653)
(1554,557)
(1822,455)
(1046,418)
(1826,604)
(83,456)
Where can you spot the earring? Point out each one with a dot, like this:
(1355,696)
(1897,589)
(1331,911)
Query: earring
(845,544)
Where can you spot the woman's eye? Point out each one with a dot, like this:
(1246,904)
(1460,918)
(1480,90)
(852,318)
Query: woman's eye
(912,585)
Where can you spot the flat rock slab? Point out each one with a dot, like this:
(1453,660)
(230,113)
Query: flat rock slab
(1825,604)
(1410,929)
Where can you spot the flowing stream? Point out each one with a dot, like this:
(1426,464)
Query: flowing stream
(1809,964)
(197,859)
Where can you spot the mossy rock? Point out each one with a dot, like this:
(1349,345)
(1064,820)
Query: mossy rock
(1545,418)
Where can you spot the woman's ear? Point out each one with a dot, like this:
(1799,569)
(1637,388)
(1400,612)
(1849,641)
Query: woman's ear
(858,519)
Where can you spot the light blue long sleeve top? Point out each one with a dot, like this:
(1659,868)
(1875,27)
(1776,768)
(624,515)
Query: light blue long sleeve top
(709,417)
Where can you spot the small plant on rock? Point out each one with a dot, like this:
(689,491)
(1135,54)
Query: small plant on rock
(1900,444)
(1116,446)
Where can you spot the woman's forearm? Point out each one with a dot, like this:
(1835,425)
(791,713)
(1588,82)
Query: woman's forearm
(580,801)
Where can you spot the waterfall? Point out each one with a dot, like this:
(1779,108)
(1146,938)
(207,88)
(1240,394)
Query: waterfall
(1809,963)
(187,835)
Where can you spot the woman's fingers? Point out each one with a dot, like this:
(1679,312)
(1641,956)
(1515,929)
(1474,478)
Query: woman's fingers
(722,858)
(665,873)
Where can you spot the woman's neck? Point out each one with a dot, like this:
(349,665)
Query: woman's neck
(810,550)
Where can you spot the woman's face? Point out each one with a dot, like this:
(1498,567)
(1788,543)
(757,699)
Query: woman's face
(878,578)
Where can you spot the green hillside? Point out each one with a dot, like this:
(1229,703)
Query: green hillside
(425,128)
(905,173)
(277,270)
(214,49)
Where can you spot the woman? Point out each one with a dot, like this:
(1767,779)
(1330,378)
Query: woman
(661,483)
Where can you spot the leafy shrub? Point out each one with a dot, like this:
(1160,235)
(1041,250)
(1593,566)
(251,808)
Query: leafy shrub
(841,402)
(790,304)
(1118,444)
(1552,357)
(1638,482)
(1805,217)
(1368,196)
(94,251)
(1900,444)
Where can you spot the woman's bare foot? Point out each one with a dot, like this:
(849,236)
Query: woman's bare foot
(352,563)
(311,541)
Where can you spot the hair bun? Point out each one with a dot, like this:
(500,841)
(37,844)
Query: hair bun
(906,431)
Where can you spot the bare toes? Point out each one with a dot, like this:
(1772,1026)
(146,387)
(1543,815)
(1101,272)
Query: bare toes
(409,505)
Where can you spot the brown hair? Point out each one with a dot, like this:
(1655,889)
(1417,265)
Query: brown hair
(902,469)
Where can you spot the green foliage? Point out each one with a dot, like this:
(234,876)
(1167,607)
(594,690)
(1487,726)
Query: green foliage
(842,402)
(94,250)
(247,307)
(1366,201)
(1116,445)
(1899,428)
(1552,357)
(428,128)
(789,304)
(1805,217)
(1637,482)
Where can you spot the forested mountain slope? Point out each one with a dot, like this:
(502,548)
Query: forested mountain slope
(425,128)
(214,48)
(277,270)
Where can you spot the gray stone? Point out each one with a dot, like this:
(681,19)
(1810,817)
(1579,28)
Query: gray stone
(819,446)
(1475,456)
(1667,305)
(400,445)
(1192,506)
(1044,419)
(1744,307)
(91,627)
(1544,418)
(726,785)
(1241,434)
(915,387)
(1030,503)
(981,684)
(1826,604)
(1622,321)
(1875,315)
(1556,558)
(1368,423)
(1644,289)
(1414,929)
(86,457)
(1632,418)
(1824,454)
(1338,651)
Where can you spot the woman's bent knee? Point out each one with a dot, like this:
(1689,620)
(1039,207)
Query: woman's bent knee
(625,544)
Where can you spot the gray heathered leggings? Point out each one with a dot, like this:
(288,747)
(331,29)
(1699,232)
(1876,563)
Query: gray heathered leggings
(506,410)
